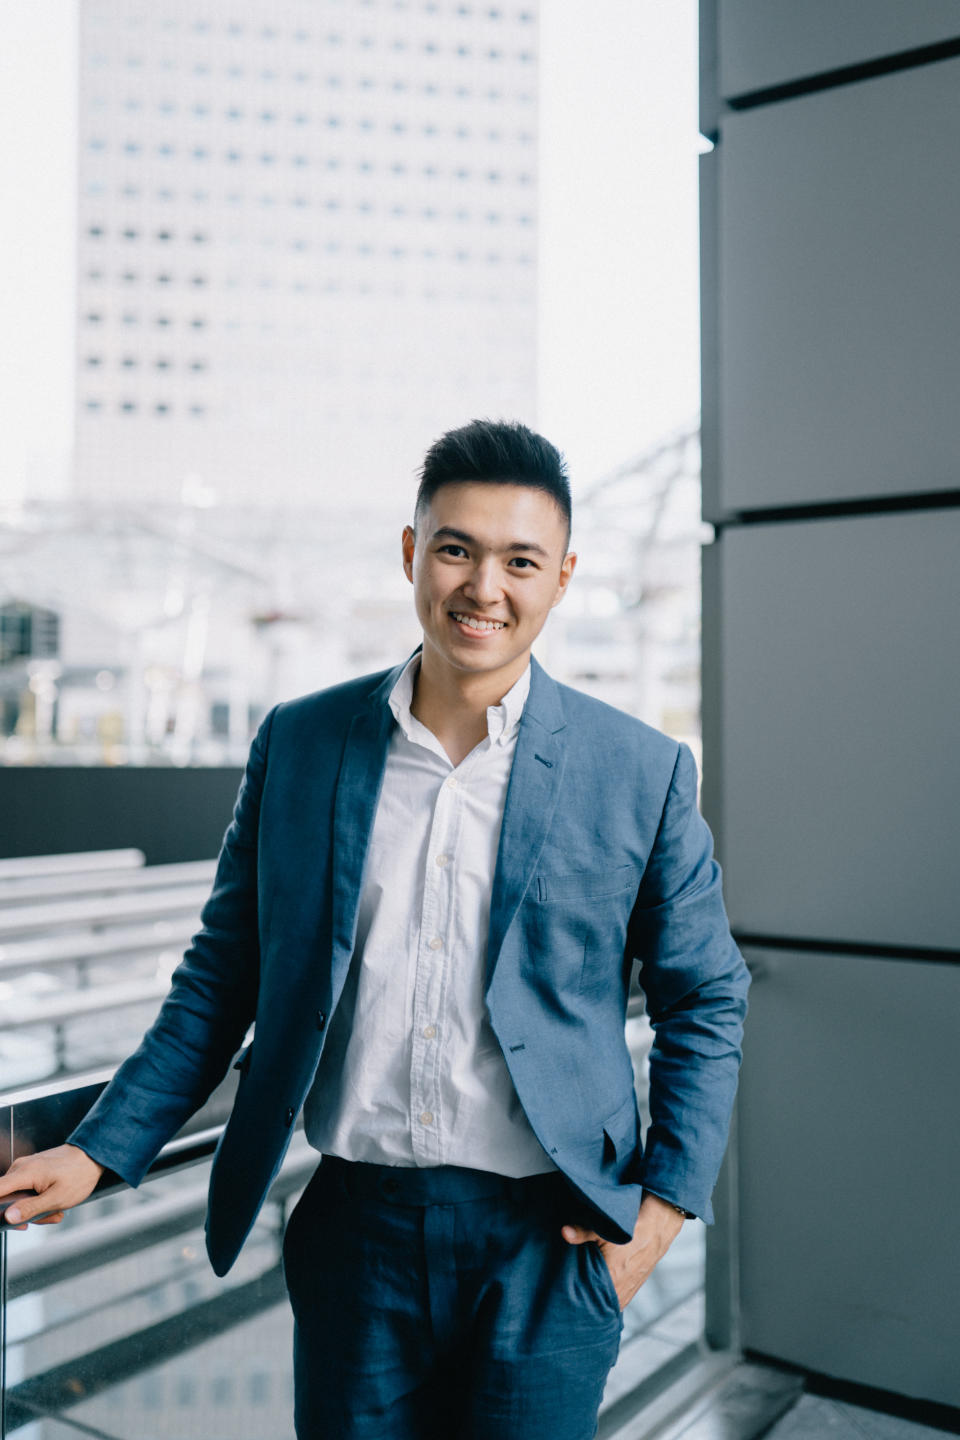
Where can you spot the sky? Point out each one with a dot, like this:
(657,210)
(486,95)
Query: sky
(618,299)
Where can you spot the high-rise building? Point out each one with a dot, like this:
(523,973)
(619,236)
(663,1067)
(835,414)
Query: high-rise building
(307,241)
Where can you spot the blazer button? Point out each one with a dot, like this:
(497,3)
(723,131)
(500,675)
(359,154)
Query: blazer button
(288,1117)
(321,1019)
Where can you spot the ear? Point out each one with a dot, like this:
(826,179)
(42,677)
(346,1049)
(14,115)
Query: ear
(407,546)
(563,579)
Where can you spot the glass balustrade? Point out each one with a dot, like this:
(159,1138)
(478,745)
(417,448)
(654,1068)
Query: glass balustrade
(114,1326)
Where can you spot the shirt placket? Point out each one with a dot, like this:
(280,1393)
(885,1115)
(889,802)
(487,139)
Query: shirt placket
(432,970)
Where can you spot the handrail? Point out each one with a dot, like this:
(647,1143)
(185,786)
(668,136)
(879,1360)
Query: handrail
(20,920)
(51,952)
(71,863)
(23,890)
(86,1248)
(68,1005)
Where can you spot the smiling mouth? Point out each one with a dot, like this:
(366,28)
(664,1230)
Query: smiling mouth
(473,623)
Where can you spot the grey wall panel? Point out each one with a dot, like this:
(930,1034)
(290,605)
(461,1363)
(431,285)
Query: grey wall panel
(709,108)
(849,1168)
(839,305)
(840,778)
(710,501)
(168,812)
(769,42)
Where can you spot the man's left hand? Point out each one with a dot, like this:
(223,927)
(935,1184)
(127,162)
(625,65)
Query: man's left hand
(658,1225)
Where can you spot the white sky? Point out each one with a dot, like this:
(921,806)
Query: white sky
(618,232)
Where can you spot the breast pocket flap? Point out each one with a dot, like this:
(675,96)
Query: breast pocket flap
(586,884)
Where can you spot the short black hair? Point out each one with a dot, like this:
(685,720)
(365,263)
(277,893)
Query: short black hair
(504,452)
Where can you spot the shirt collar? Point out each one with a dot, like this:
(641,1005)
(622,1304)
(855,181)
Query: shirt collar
(502,719)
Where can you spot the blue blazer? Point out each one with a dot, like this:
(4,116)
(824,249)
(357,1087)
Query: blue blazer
(604,859)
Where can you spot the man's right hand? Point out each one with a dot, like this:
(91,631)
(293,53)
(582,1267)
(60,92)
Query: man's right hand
(61,1178)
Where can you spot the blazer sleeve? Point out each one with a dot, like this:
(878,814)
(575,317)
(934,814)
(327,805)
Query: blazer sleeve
(204,1017)
(695,981)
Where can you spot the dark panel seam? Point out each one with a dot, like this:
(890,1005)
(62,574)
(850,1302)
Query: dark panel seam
(841,509)
(846,75)
(847,947)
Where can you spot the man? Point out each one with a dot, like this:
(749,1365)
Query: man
(431,897)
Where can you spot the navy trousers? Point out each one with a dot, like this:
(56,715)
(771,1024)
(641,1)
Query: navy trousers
(444,1304)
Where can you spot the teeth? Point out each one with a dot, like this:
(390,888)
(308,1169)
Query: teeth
(478,624)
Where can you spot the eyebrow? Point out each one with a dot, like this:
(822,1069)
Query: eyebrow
(448,532)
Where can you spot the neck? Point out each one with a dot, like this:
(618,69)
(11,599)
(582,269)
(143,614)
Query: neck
(445,699)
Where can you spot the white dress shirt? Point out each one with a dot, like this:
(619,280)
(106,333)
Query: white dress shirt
(412,1073)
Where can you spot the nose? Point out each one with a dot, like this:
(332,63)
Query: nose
(484,587)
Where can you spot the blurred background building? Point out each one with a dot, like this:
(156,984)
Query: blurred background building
(307,240)
(306,243)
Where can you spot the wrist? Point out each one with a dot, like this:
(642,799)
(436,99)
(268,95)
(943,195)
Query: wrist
(82,1155)
(652,1201)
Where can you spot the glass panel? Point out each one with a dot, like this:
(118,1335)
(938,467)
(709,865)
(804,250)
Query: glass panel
(667,1313)
(115,1323)
(149,1342)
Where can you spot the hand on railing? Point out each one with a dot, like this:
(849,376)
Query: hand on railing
(41,1187)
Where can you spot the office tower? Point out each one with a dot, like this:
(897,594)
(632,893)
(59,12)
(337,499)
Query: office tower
(307,242)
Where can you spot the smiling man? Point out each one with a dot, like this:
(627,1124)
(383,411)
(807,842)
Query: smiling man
(431,899)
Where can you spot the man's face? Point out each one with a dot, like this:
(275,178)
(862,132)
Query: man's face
(487,565)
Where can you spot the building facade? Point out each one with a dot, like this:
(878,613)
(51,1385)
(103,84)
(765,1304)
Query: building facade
(307,242)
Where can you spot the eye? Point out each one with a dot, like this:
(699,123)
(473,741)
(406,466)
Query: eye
(523,562)
(449,547)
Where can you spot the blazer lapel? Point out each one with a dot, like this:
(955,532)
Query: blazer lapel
(355,807)
(532,793)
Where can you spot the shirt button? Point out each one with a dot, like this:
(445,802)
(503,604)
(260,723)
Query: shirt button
(426,1117)
(443,860)
(452,783)
(436,943)
(429,1031)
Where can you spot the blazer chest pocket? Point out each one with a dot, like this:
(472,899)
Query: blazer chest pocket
(585,884)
